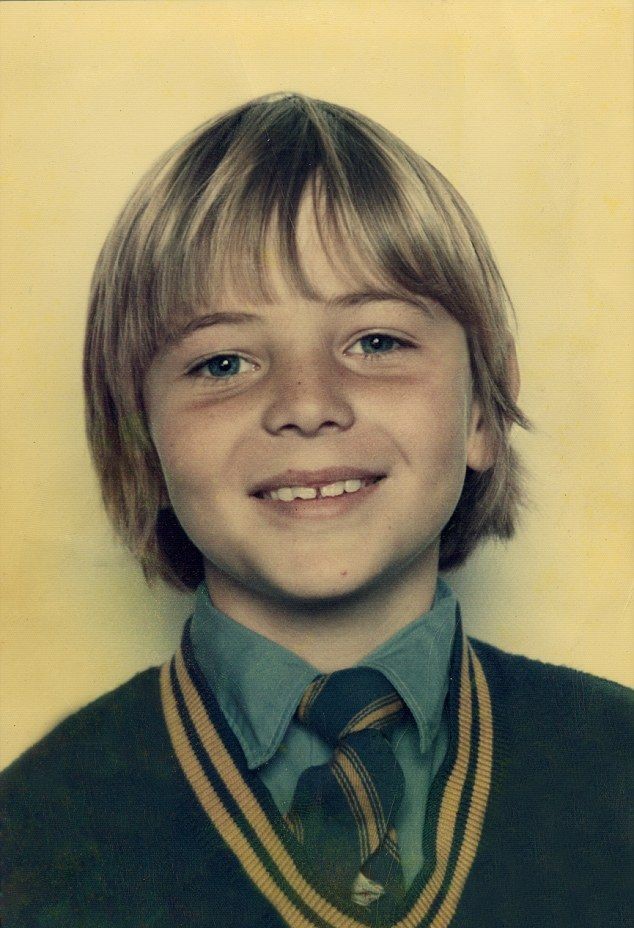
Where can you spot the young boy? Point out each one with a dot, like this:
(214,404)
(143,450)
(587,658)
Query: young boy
(300,383)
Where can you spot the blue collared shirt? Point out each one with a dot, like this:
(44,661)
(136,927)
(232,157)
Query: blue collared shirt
(258,685)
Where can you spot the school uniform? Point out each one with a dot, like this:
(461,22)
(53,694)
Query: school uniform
(163,803)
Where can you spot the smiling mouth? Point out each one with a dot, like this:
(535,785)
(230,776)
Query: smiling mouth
(287,494)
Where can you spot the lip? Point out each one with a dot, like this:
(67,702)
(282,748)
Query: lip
(315,478)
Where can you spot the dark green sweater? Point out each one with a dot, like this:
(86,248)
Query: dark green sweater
(140,810)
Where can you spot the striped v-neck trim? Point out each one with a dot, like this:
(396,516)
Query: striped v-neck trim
(243,813)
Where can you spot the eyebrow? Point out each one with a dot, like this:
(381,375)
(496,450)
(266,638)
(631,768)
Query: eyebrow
(345,301)
(380,296)
(208,319)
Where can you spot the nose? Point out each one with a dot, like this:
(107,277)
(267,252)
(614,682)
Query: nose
(308,397)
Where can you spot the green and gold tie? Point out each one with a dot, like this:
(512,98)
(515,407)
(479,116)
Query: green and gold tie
(343,811)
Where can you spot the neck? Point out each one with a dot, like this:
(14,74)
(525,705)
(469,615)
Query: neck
(329,635)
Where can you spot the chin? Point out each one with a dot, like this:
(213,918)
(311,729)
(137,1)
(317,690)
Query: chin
(313,592)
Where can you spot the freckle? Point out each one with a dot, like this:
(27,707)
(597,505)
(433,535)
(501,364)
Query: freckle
(344,573)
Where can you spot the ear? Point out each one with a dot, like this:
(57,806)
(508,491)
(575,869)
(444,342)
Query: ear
(481,443)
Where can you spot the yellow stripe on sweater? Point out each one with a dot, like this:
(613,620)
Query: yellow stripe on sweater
(257,818)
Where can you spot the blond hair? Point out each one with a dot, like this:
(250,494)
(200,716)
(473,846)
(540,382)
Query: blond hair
(206,216)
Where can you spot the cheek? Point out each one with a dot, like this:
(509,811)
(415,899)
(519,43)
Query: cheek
(432,424)
(183,455)
(201,458)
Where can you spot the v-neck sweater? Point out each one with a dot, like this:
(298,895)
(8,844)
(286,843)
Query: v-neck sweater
(258,684)
(140,810)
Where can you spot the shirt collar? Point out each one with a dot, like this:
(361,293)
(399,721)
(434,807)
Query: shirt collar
(258,683)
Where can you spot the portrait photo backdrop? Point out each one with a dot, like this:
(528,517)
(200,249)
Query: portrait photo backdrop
(525,106)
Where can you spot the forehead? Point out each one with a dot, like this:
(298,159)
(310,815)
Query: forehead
(319,263)
(319,266)
(332,293)
(326,266)
(331,287)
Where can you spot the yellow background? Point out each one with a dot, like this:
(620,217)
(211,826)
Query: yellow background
(526,106)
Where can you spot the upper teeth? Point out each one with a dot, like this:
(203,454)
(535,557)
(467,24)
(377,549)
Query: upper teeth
(287,494)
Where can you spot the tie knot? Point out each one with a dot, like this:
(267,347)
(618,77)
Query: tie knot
(337,704)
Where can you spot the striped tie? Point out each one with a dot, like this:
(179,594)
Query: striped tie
(342,811)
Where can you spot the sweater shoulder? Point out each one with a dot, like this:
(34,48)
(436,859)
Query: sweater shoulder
(101,741)
(517,671)
(579,711)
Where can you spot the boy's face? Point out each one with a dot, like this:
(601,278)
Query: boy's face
(355,392)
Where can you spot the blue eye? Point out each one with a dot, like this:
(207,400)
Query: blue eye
(223,366)
(376,343)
